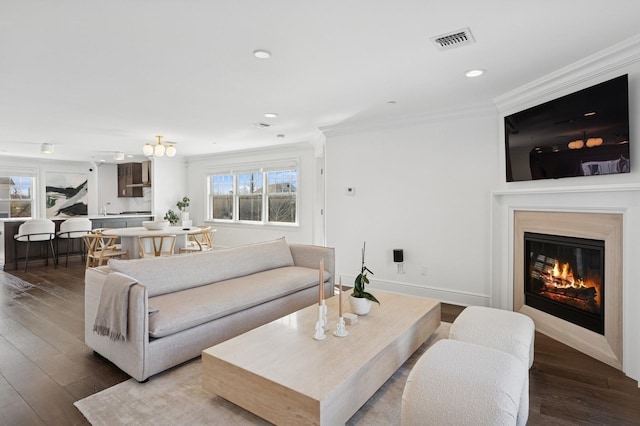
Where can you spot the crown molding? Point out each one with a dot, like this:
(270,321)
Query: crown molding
(296,147)
(578,75)
(359,126)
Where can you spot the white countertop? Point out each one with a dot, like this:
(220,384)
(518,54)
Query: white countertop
(91,216)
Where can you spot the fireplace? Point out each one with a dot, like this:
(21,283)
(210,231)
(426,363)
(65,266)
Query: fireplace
(564,277)
(562,236)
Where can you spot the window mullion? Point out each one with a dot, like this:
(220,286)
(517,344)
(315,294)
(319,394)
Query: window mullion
(265,205)
(236,200)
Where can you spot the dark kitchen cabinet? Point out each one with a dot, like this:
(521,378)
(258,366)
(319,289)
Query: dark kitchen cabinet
(129,174)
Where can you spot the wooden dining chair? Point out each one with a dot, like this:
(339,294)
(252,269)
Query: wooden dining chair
(101,248)
(200,241)
(156,245)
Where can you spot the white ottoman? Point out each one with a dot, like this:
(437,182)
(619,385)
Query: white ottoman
(506,331)
(462,383)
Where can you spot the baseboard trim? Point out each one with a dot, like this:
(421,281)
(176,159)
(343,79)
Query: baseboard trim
(454,297)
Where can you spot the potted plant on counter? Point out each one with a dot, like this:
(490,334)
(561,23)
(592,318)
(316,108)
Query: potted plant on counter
(182,206)
(172,217)
(360,299)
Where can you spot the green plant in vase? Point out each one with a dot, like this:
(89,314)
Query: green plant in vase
(360,298)
(172,217)
(183,204)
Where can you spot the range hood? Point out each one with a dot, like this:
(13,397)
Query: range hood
(144,180)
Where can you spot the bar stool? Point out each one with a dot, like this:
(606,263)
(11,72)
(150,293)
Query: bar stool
(72,229)
(36,230)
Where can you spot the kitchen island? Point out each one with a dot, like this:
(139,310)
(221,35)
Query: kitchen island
(9,227)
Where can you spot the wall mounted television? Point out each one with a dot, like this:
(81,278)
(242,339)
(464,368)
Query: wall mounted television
(584,133)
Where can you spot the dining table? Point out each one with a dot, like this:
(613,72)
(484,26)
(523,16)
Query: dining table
(129,236)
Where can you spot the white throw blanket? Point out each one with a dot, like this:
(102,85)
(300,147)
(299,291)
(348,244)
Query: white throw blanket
(111,316)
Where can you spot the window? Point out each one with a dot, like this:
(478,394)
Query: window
(250,195)
(256,196)
(281,193)
(16,196)
(221,197)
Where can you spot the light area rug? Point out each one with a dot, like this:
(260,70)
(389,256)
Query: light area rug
(176,397)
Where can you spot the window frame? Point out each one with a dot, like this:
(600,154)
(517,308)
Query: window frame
(264,170)
(31,199)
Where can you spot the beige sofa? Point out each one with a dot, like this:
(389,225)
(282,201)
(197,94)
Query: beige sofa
(203,299)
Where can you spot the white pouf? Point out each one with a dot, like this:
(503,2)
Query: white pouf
(507,331)
(462,383)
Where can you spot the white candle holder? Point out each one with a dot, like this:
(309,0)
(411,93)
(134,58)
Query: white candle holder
(319,334)
(340,329)
(323,310)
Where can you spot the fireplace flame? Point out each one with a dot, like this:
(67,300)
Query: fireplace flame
(564,276)
(561,277)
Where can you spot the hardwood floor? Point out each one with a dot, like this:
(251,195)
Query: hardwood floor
(45,365)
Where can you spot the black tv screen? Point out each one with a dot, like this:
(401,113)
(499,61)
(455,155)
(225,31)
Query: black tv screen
(585,133)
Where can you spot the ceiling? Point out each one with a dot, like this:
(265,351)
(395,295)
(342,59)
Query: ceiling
(95,77)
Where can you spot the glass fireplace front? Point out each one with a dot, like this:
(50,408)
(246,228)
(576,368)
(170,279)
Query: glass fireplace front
(564,277)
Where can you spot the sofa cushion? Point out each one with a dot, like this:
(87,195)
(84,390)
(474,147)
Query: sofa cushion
(162,275)
(188,308)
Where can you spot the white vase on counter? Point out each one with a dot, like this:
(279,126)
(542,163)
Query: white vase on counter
(184,218)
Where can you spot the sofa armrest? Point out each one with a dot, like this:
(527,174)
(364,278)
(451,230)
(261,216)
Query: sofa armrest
(129,355)
(309,256)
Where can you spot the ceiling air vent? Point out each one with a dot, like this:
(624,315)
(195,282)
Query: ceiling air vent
(260,125)
(454,39)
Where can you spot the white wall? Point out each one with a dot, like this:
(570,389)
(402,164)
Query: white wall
(236,234)
(168,184)
(424,188)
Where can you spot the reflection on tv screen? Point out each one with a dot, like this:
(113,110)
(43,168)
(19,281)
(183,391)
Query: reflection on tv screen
(585,133)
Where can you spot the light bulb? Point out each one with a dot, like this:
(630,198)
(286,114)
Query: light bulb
(159,150)
(171,151)
(147,149)
(591,142)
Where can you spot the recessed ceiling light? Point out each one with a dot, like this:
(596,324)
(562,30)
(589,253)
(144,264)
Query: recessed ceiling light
(271,115)
(262,54)
(474,73)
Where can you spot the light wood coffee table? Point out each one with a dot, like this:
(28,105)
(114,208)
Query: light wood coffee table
(280,373)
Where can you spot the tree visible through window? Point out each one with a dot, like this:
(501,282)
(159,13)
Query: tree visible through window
(16,196)
(255,196)
(250,196)
(282,186)
(222,197)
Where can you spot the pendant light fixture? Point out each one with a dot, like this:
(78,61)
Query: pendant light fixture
(159,150)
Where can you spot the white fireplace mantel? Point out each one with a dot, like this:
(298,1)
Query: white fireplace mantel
(622,199)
